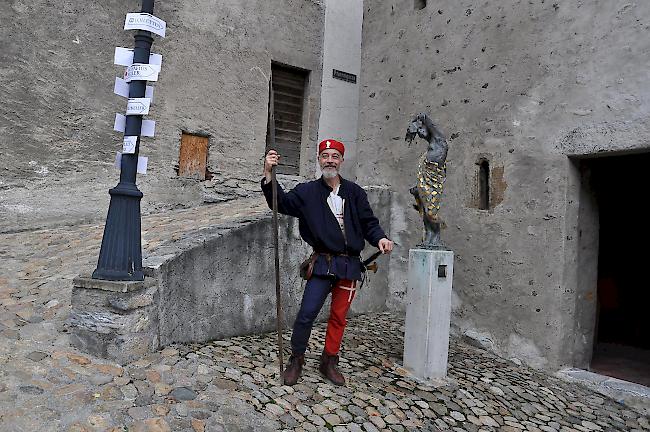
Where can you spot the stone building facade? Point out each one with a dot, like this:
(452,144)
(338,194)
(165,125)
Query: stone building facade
(532,91)
(529,93)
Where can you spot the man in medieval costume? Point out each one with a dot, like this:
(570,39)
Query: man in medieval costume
(335,219)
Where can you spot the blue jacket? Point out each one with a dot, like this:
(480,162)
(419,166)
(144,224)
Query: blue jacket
(319,228)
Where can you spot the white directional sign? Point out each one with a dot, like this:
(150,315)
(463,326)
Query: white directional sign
(142,163)
(121,88)
(129,143)
(141,72)
(138,106)
(148,93)
(124,57)
(120,123)
(148,126)
(145,21)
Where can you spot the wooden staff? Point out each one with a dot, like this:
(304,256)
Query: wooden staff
(276,245)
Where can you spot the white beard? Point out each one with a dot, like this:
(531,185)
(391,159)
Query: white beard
(330,172)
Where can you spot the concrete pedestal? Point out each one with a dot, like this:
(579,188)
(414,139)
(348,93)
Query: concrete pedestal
(428,312)
(116,320)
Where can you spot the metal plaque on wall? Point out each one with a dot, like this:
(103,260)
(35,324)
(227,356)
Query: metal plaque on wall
(344,76)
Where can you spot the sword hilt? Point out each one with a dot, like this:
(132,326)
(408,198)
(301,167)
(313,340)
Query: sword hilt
(367,262)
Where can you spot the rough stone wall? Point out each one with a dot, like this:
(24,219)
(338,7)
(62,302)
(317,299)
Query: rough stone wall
(58,106)
(524,84)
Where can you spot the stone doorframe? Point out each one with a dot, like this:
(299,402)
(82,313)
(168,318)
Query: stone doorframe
(581,238)
(580,263)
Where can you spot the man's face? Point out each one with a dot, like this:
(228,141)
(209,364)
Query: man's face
(330,161)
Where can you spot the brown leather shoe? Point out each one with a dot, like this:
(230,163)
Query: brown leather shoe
(328,368)
(294,369)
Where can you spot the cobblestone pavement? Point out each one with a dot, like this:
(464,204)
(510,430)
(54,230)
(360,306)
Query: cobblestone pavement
(37,267)
(232,385)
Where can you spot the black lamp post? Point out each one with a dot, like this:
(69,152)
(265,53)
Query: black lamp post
(120,257)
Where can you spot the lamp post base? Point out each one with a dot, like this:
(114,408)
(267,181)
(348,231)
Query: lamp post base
(120,257)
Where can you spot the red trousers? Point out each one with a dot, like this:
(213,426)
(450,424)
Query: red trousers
(314,297)
(343,293)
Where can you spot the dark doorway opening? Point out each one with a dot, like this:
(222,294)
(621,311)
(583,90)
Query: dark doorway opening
(622,338)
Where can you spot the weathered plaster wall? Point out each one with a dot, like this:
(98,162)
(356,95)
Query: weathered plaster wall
(523,84)
(58,106)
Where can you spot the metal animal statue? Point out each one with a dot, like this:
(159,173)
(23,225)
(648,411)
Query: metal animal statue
(432,171)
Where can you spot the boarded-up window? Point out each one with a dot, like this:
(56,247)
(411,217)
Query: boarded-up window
(193,157)
(288,99)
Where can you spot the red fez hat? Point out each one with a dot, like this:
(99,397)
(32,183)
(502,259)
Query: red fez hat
(331,144)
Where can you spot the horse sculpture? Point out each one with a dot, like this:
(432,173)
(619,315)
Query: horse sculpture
(432,172)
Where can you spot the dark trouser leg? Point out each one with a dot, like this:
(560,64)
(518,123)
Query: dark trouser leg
(316,291)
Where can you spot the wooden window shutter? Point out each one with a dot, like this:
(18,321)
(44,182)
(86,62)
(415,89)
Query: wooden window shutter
(193,157)
(288,94)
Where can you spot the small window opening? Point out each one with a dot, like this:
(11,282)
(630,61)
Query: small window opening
(484,184)
(193,157)
(288,91)
(420,4)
